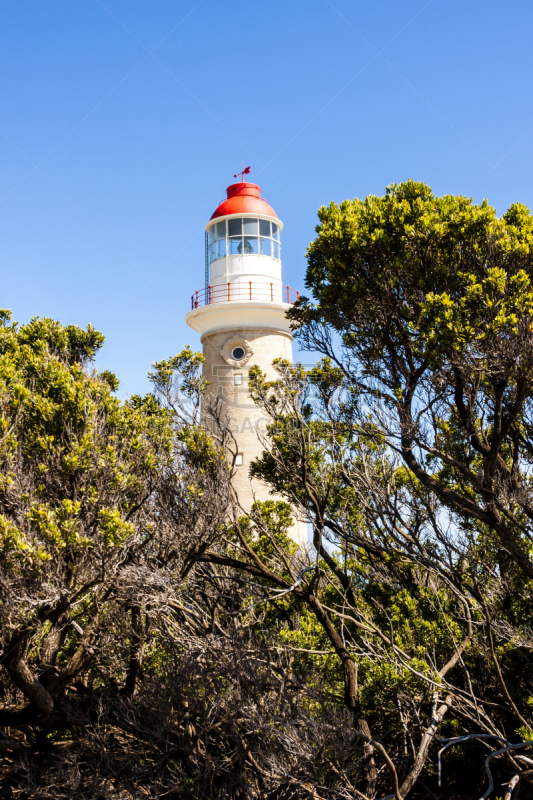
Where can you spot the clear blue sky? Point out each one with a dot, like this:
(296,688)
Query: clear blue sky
(122,122)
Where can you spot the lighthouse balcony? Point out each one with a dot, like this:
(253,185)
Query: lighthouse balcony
(244,291)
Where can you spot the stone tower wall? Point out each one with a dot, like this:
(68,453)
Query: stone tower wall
(246,420)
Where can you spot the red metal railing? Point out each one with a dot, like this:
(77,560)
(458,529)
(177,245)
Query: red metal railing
(249,290)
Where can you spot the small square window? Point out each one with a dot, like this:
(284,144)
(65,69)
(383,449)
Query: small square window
(237,380)
(238,460)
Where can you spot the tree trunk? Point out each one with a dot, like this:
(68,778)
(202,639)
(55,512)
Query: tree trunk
(136,647)
(24,680)
(50,648)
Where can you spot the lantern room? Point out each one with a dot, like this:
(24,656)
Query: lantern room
(243,236)
(243,250)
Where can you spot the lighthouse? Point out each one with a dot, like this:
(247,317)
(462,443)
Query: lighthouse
(241,316)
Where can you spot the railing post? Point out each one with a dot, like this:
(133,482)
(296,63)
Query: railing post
(297,295)
(197,298)
(288,295)
(192,302)
(228,291)
(271,293)
(250,290)
(209,294)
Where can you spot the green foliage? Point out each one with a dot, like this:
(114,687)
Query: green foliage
(432,298)
(276,518)
(111,379)
(409,448)
(411,269)
(435,274)
(74,459)
(187,364)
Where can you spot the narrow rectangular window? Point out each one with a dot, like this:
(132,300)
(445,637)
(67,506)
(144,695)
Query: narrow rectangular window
(221,248)
(234,227)
(237,380)
(266,247)
(264,227)
(235,246)
(249,227)
(238,460)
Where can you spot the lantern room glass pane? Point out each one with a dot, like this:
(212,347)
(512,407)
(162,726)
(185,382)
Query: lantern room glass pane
(249,227)
(221,248)
(221,230)
(250,245)
(275,250)
(266,247)
(264,227)
(212,252)
(234,227)
(275,231)
(211,234)
(234,244)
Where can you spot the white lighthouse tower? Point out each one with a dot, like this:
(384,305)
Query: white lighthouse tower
(240,314)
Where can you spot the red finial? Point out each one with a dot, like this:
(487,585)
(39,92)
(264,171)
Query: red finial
(243,173)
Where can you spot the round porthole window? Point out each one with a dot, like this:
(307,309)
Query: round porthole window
(238,353)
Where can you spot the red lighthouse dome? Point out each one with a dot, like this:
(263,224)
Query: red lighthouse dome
(244,198)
